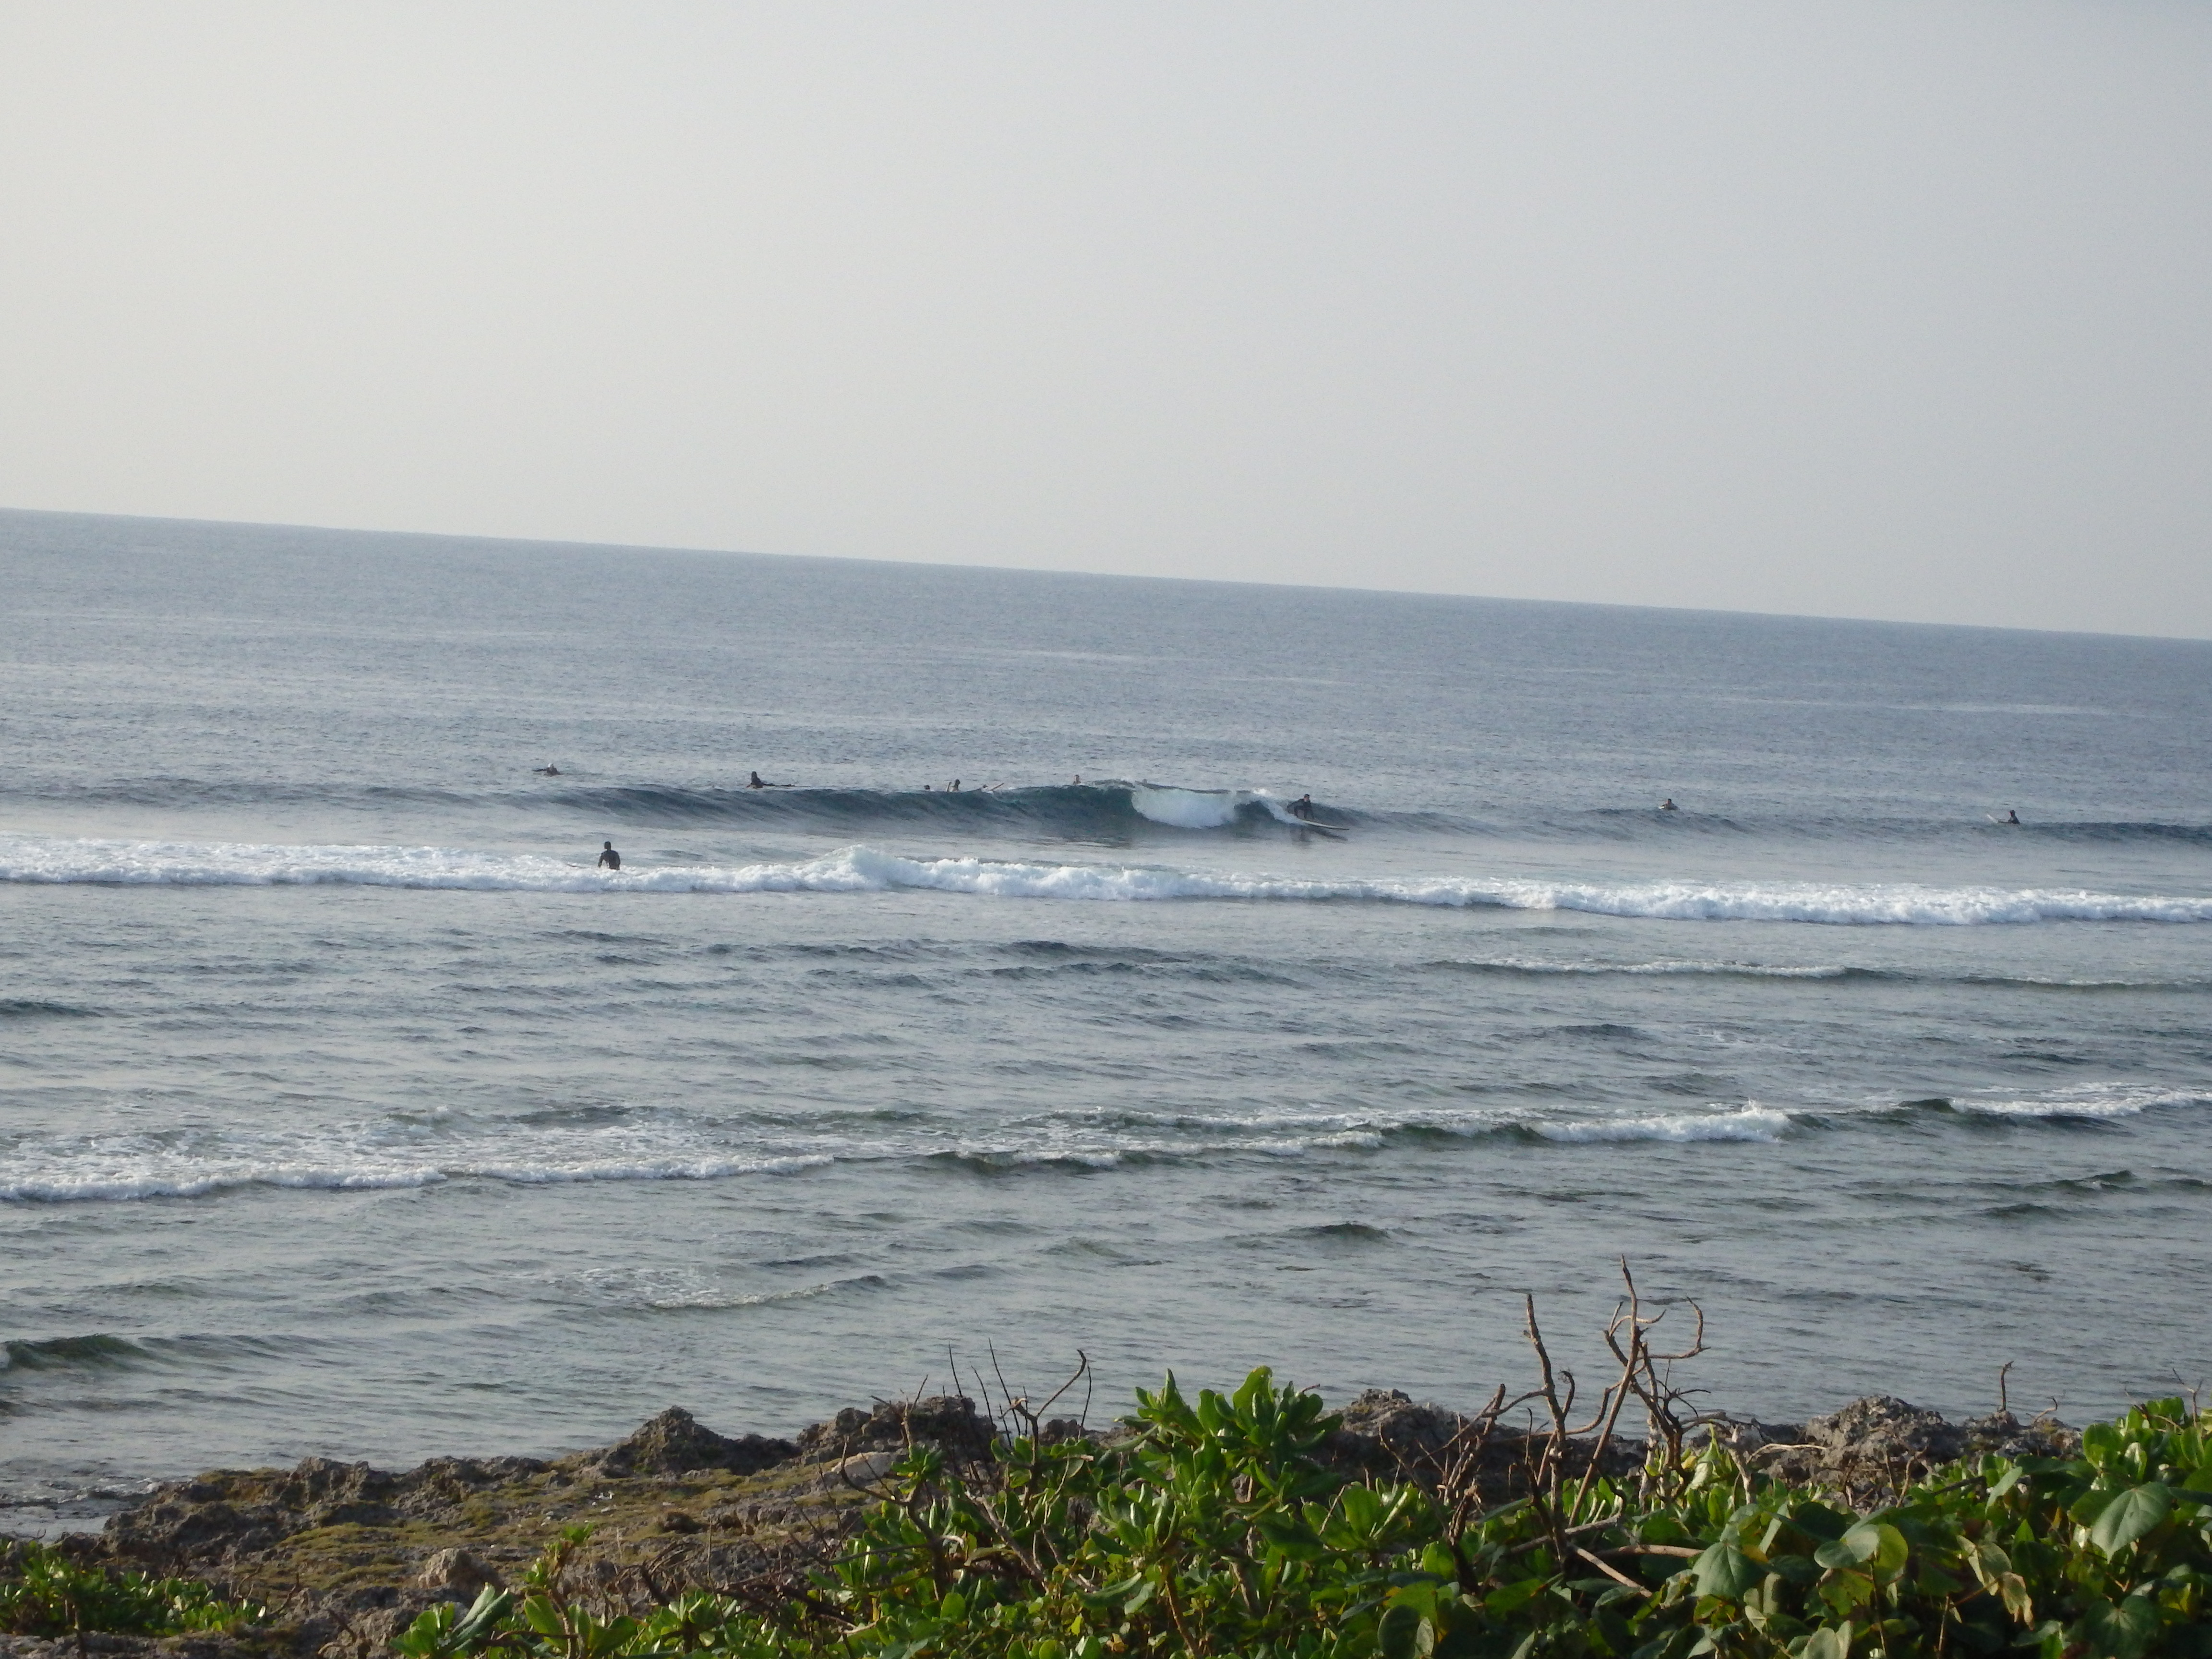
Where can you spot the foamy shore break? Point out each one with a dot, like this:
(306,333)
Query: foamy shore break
(347,1556)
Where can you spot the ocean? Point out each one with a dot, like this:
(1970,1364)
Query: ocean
(348,1108)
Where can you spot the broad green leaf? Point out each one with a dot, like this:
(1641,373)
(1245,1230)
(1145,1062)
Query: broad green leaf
(2130,1515)
(2101,1443)
(1517,1594)
(1830,1642)
(2121,1630)
(1875,1545)
(1404,1634)
(1818,1520)
(1726,1571)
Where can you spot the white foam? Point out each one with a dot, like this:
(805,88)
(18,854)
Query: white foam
(1729,969)
(863,869)
(2096,1100)
(1749,1122)
(362,1158)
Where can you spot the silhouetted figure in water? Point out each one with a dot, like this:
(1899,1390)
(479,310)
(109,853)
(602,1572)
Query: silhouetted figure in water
(754,781)
(2012,815)
(1079,779)
(1667,805)
(956,785)
(1302,808)
(547,771)
(609,858)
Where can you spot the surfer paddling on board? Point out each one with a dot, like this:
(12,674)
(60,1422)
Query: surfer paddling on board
(547,771)
(609,858)
(753,780)
(2012,815)
(1667,805)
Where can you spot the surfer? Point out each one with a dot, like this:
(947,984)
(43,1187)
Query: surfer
(609,858)
(1667,805)
(2012,815)
(547,771)
(1078,781)
(1302,808)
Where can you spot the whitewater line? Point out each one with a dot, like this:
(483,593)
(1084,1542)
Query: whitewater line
(861,869)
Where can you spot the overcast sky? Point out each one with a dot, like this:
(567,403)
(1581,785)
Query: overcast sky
(1897,310)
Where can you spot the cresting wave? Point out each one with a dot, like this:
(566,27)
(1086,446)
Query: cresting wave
(863,869)
(1105,809)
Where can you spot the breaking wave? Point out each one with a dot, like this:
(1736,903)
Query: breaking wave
(1106,809)
(862,869)
(660,1147)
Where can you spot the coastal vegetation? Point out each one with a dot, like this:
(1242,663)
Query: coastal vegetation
(1247,1523)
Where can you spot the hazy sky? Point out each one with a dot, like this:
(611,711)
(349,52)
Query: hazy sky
(1879,309)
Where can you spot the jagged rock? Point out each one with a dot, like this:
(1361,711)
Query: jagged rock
(1880,1441)
(864,1471)
(675,1442)
(947,1421)
(1386,1430)
(2006,1436)
(1884,1431)
(455,1569)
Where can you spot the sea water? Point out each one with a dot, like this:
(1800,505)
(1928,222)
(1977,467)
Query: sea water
(347,1108)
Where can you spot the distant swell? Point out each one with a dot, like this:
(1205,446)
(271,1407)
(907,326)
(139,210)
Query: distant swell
(862,870)
(1107,809)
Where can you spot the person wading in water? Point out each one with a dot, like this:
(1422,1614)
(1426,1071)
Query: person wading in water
(609,858)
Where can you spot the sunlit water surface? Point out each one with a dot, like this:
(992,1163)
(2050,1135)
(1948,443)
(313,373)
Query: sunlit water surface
(346,1109)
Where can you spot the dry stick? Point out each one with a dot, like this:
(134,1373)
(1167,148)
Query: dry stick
(1548,1471)
(1016,1405)
(1619,1392)
(1082,1369)
(1612,1571)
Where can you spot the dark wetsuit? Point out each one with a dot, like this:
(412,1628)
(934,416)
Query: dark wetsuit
(1303,807)
(609,858)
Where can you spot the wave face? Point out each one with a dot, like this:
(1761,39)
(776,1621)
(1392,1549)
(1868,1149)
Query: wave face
(1107,810)
(863,869)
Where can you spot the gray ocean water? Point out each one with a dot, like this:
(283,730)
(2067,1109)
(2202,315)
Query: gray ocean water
(347,1109)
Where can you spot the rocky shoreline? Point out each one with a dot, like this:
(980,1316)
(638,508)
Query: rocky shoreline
(346,1556)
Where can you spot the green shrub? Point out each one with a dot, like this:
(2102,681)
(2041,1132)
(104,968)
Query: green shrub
(42,1592)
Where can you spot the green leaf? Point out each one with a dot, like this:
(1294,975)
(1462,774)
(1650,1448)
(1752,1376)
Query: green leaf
(1726,1571)
(1818,1520)
(1830,1642)
(2130,1515)
(1875,1545)
(1841,1554)
(2124,1631)
(1404,1634)
(1518,1593)
(2101,1443)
